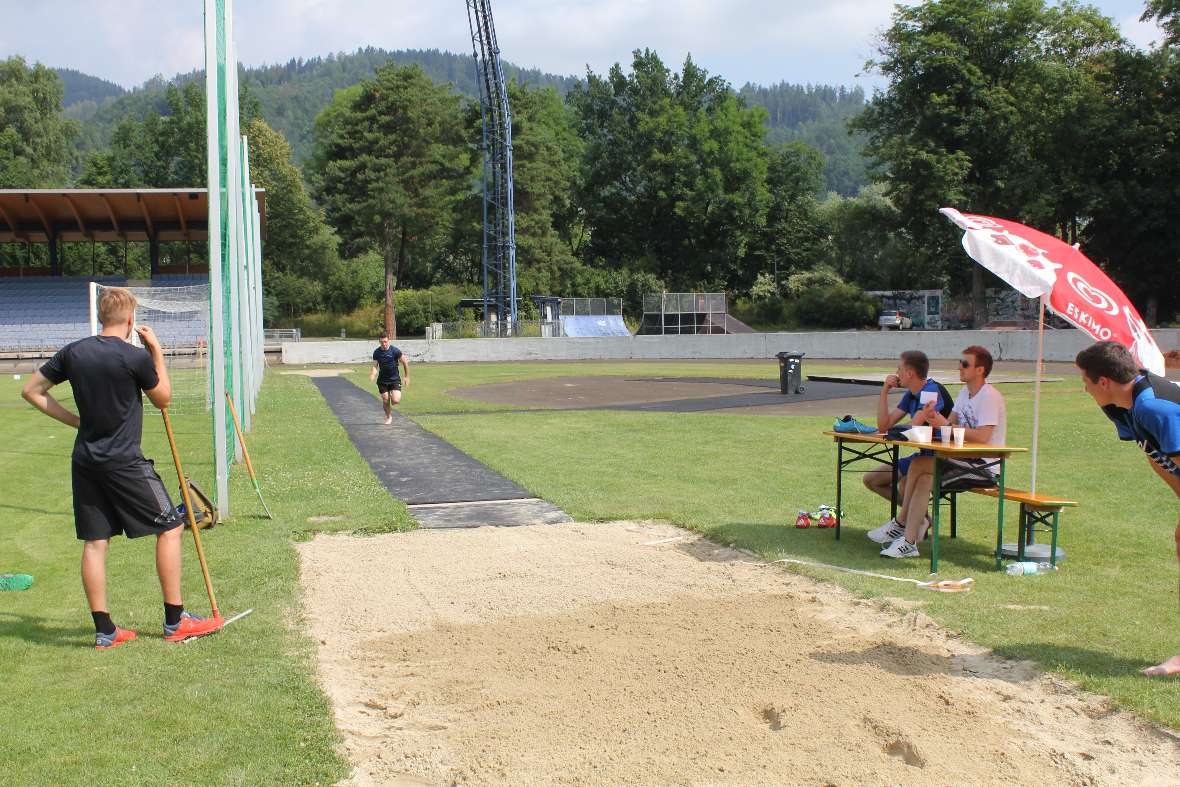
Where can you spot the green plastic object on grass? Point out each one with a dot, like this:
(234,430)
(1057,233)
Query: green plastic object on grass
(16,581)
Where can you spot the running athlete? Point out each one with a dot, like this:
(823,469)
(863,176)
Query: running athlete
(385,373)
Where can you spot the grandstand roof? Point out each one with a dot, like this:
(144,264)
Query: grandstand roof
(32,215)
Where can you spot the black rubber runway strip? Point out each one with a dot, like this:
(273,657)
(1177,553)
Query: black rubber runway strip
(414,465)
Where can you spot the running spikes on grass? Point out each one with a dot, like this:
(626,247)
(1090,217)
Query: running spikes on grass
(803,520)
(16,581)
(849,425)
(825,517)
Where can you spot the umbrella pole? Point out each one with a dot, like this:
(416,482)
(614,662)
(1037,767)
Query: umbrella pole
(1037,392)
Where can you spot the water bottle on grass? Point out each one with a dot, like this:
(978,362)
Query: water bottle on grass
(16,581)
(1028,567)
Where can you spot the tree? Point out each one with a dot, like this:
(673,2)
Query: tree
(982,101)
(1135,166)
(161,151)
(868,246)
(391,161)
(793,237)
(1167,13)
(674,176)
(35,142)
(546,154)
(300,253)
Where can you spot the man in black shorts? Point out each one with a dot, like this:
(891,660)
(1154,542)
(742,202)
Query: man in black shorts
(385,372)
(117,490)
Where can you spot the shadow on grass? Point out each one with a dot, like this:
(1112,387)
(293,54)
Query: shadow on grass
(1097,663)
(43,631)
(11,507)
(853,550)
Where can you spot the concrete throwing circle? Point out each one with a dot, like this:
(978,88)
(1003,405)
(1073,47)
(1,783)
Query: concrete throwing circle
(675,395)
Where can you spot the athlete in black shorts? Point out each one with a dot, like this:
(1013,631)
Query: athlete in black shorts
(385,373)
(117,490)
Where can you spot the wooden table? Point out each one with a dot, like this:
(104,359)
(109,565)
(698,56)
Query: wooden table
(876,447)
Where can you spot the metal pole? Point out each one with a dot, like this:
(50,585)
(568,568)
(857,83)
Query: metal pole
(1037,392)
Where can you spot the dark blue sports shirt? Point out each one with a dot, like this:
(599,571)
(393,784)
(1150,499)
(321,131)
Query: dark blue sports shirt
(107,375)
(911,403)
(1153,420)
(387,363)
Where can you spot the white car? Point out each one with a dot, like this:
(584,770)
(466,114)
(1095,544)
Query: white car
(895,319)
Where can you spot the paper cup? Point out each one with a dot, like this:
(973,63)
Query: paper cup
(944,434)
(923,433)
(959,433)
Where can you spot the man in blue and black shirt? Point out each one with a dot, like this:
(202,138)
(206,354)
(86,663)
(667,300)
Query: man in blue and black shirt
(921,390)
(385,373)
(1145,408)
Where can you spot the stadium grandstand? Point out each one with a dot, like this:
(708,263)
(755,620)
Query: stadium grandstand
(41,309)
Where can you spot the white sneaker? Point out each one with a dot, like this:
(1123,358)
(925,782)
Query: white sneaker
(900,548)
(887,533)
(388,420)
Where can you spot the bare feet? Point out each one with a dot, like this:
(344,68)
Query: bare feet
(1164,670)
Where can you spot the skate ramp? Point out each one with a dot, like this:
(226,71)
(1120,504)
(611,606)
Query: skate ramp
(602,325)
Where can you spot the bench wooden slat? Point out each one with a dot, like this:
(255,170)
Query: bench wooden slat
(1027,498)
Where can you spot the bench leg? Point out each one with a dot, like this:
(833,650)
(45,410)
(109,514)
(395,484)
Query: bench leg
(954,515)
(1000,519)
(1053,552)
(1025,525)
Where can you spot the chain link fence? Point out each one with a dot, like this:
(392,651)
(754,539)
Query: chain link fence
(494,329)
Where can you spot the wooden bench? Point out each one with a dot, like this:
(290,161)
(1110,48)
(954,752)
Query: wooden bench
(1035,509)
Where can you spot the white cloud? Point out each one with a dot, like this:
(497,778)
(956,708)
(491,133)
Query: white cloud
(1143,34)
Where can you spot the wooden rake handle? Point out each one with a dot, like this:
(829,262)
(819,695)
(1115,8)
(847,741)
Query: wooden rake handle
(188,510)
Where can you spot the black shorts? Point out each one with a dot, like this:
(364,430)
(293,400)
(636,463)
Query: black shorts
(963,474)
(386,387)
(130,500)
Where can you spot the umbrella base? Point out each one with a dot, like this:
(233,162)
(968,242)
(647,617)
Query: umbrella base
(1037,553)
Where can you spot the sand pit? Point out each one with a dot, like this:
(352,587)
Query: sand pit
(640,653)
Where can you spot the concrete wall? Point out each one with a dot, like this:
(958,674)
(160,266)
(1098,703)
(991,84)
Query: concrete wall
(1060,345)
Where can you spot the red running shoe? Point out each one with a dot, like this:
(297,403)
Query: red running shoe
(803,520)
(191,627)
(113,640)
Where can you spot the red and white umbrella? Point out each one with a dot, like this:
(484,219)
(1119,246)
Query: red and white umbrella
(1042,266)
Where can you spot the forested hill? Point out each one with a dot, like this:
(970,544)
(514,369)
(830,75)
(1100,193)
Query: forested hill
(85,93)
(291,94)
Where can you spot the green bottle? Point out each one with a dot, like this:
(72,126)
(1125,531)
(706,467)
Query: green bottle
(16,581)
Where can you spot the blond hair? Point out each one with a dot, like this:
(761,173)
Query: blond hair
(115,304)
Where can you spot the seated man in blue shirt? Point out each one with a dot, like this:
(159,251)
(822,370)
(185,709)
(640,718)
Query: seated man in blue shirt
(919,390)
(1145,408)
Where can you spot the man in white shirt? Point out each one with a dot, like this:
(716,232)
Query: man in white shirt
(979,409)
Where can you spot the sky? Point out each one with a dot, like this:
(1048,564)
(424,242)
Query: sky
(762,41)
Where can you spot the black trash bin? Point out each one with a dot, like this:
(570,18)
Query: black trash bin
(790,372)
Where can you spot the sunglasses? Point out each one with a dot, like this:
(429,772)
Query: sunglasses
(965,364)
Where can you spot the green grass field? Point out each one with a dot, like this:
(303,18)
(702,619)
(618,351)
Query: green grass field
(244,706)
(240,708)
(740,479)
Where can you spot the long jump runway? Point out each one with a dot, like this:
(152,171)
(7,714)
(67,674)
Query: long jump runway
(442,486)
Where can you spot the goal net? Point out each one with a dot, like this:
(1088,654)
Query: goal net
(179,316)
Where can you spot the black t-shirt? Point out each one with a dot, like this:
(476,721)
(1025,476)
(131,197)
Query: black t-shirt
(387,361)
(107,375)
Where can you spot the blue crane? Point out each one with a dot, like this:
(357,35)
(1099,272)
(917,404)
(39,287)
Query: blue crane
(499,218)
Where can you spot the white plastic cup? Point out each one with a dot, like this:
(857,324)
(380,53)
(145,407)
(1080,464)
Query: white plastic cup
(959,432)
(944,433)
